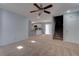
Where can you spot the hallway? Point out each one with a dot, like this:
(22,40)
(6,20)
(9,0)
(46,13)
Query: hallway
(41,45)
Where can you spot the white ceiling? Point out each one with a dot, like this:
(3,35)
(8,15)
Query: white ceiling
(25,8)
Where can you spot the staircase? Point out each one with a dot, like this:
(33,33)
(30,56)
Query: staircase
(58,36)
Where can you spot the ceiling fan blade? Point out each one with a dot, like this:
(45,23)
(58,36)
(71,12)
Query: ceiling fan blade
(47,12)
(36,5)
(34,11)
(48,6)
(41,6)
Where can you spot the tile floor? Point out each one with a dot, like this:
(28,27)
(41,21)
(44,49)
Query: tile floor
(42,45)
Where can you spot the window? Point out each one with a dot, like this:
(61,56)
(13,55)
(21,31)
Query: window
(48,28)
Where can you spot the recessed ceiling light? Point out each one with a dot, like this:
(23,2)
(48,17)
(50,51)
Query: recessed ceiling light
(19,47)
(33,41)
(68,11)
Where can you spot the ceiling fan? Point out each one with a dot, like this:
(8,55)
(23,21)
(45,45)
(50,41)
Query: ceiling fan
(41,8)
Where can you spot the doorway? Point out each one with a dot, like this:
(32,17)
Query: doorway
(58,34)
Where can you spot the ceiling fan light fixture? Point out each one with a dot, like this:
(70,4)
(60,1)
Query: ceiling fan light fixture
(41,9)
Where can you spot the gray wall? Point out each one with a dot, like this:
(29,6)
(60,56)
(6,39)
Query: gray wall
(14,27)
(71,27)
(53,27)
(0,26)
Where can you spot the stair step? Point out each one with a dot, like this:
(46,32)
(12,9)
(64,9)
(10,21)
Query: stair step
(58,36)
